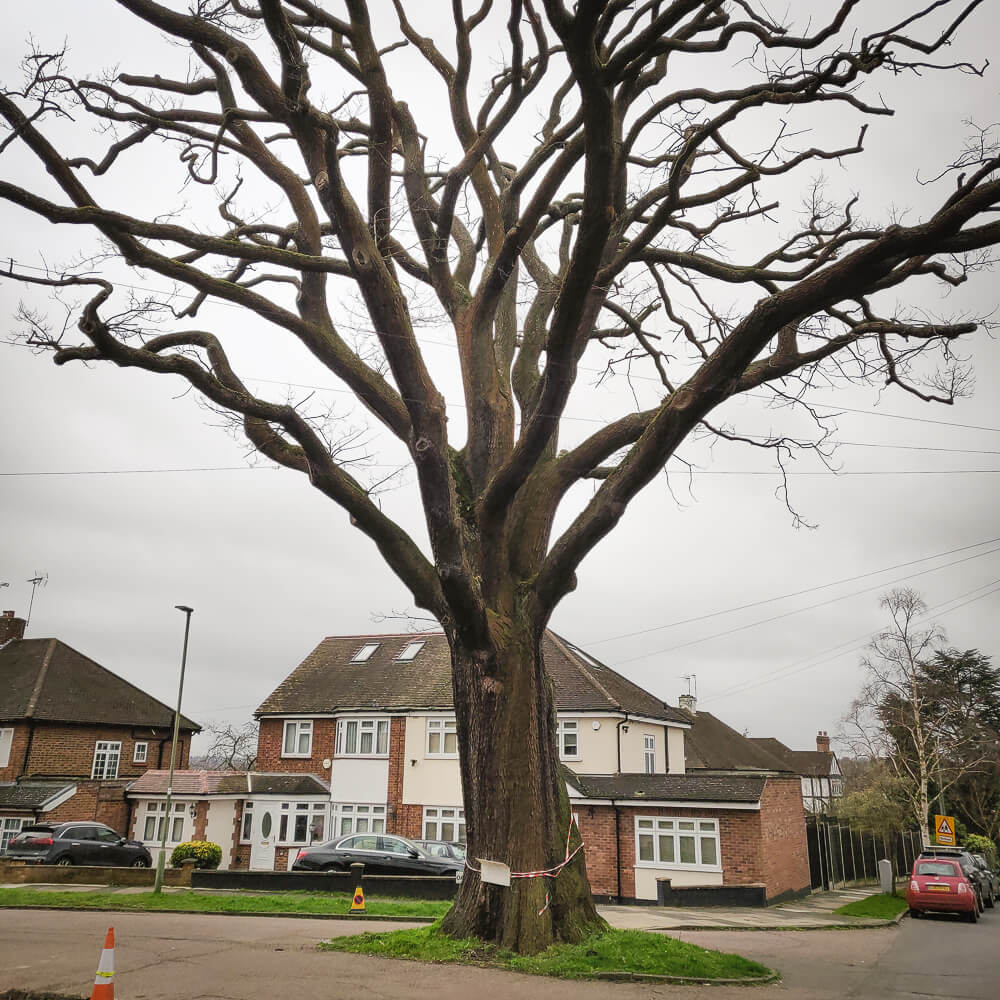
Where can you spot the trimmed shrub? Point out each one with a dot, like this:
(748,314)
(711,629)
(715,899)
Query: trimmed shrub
(981,845)
(205,853)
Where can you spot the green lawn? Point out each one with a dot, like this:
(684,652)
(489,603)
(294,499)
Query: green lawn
(321,903)
(636,952)
(878,906)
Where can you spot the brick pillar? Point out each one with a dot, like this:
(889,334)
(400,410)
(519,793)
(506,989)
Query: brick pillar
(394,793)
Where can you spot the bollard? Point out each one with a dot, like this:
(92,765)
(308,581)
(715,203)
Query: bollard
(885,877)
(358,902)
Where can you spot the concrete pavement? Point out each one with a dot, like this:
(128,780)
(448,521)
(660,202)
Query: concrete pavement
(811,913)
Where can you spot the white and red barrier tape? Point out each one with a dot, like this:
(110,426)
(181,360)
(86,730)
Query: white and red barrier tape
(547,872)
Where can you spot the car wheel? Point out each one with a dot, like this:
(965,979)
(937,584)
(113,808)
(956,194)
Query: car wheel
(140,863)
(973,916)
(990,901)
(916,914)
(64,861)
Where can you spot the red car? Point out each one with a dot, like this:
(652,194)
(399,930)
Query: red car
(940,885)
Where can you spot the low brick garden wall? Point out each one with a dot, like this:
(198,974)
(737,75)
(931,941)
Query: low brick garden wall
(12,874)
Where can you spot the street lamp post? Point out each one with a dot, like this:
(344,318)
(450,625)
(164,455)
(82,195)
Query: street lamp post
(165,820)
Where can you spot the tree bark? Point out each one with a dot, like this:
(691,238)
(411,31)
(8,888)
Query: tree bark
(516,807)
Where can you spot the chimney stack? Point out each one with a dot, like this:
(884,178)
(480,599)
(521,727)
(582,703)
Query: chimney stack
(688,703)
(823,741)
(11,627)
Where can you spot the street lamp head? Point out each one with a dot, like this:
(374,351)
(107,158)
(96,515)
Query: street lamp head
(184,608)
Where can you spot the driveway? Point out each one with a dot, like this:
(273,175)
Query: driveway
(184,957)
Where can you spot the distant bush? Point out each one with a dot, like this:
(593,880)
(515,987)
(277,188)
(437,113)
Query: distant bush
(981,845)
(205,853)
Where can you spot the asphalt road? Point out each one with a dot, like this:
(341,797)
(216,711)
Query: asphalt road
(181,957)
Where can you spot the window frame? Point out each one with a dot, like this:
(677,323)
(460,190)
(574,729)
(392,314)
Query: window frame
(8,832)
(301,727)
(406,656)
(109,754)
(370,812)
(443,727)
(649,752)
(434,815)
(660,829)
(366,652)
(372,725)
(6,732)
(563,728)
(155,813)
(136,759)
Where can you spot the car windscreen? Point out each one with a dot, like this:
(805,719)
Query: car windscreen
(942,869)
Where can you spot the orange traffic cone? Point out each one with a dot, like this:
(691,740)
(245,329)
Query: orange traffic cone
(104,981)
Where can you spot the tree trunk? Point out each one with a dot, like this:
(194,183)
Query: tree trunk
(516,807)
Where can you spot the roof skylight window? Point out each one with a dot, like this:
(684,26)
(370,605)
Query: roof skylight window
(411,650)
(364,652)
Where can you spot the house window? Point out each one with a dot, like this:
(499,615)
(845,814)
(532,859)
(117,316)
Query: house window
(106,757)
(139,753)
(156,817)
(444,823)
(10,826)
(301,822)
(442,738)
(363,738)
(355,818)
(410,651)
(364,652)
(297,741)
(6,739)
(569,747)
(680,843)
(247,823)
(649,753)
(838,786)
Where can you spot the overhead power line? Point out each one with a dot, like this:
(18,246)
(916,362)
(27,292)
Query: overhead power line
(794,593)
(809,607)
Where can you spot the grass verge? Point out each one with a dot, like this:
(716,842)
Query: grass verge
(612,951)
(878,907)
(319,903)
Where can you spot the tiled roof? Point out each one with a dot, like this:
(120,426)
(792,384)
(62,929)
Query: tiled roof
(47,680)
(327,681)
(202,784)
(711,745)
(809,763)
(30,794)
(668,787)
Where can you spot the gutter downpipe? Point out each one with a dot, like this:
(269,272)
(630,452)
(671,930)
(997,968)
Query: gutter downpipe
(618,728)
(618,852)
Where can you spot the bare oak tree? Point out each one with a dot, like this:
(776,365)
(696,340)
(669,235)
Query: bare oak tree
(559,181)
(233,748)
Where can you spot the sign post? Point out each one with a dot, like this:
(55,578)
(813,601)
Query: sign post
(944,830)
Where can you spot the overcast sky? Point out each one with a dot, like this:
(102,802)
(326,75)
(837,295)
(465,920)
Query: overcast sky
(104,489)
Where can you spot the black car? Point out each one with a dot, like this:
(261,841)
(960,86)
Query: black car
(442,849)
(976,875)
(83,843)
(992,877)
(381,854)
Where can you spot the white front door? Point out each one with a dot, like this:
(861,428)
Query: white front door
(263,836)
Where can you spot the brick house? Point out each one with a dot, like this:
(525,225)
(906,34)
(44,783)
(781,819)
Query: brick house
(818,770)
(372,716)
(72,734)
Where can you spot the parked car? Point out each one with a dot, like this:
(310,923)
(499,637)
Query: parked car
(970,869)
(379,853)
(82,843)
(942,885)
(992,878)
(442,849)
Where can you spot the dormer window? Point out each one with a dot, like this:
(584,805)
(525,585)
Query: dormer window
(364,652)
(410,650)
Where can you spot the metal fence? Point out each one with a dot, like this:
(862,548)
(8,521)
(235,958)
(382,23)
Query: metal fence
(840,855)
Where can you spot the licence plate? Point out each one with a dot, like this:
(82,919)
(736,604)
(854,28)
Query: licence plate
(939,888)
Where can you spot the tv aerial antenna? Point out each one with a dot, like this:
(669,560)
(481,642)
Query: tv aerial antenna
(38,580)
(692,680)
